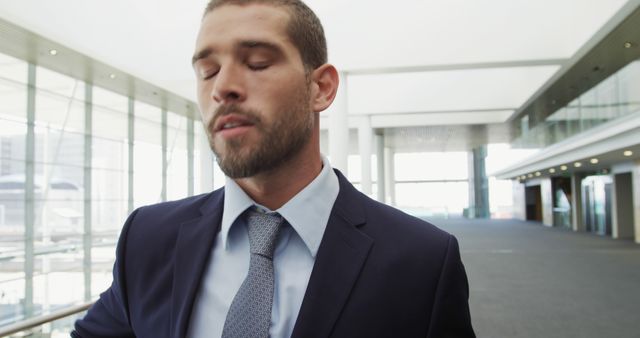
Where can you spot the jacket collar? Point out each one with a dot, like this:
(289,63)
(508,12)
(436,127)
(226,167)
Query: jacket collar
(193,249)
(342,254)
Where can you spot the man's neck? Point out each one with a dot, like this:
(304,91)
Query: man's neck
(276,187)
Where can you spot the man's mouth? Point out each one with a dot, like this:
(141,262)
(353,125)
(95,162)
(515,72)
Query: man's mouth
(233,124)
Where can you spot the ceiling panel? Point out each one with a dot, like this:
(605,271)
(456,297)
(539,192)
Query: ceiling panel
(442,91)
(153,39)
(365,33)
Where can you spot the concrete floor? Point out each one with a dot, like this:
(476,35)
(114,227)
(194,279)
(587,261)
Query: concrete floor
(527,280)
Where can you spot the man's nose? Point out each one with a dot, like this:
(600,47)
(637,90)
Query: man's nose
(228,86)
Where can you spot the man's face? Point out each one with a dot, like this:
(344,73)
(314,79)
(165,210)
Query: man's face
(253,91)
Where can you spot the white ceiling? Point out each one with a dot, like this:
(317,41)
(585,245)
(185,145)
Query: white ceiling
(406,56)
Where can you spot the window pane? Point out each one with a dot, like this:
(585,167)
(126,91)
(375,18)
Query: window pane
(110,154)
(108,217)
(59,201)
(13,130)
(148,112)
(58,84)
(103,98)
(13,69)
(12,142)
(58,146)
(110,124)
(431,166)
(433,198)
(177,157)
(147,165)
(201,148)
(14,99)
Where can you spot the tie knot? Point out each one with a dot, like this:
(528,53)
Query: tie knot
(263,232)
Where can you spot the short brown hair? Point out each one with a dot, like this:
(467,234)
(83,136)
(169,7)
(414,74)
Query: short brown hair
(304,28)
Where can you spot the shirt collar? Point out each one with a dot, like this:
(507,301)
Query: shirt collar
(307,212)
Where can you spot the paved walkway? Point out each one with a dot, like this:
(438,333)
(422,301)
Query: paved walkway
(527,280)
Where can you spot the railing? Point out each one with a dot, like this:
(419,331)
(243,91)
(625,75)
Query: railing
(37,321)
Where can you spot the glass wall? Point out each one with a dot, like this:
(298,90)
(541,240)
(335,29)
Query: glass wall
(177,156)
(354,173)
(147,154)
(109,180)
(499,157)
(13,132)
(58,192)
(75,159)
(615,97)
(432,184)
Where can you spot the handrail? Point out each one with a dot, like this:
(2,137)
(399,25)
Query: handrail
(37,321)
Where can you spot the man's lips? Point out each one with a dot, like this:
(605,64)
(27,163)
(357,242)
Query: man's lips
(232,121)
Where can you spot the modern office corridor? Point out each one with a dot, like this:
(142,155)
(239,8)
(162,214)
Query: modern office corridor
(527,280)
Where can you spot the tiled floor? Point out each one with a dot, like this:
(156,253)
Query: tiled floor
(527,280)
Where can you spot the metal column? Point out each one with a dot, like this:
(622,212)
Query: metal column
(478,184)
(30,212)
(131,134)
(88,233)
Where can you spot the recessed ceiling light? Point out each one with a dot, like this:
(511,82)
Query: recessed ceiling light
(112,76)
(538,173)
(627,153)
(563,167)
(594,161)
(628,44)
(530,175)
(53,52)
(552,170)
(577,164)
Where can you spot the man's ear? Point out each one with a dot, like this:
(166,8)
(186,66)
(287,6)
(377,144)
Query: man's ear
(325,81)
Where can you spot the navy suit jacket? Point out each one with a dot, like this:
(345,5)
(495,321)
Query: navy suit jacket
(378,273)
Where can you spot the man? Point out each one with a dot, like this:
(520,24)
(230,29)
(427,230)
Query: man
(288,247)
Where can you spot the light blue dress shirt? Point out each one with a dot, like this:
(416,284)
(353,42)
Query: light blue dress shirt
(307,214)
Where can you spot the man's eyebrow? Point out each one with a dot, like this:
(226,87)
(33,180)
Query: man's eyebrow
(248,44)
(252,44)
(201,55)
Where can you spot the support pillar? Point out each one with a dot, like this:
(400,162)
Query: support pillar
(29,198)
(165,162)
(339,128)
(207,161)
(380,162)
(546,195)
(131,137)
(577,224)
(389,176)
(519,200)
(478,184)
(365,140)
(636,199)
(87,237)
(190,152)
(622,206)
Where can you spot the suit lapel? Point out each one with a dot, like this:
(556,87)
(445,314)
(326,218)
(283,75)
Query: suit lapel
(342,253)
(193,249)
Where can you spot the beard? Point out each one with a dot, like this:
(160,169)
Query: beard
(279,141)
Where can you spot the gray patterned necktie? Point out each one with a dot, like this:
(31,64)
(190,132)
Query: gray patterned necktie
(250,312)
